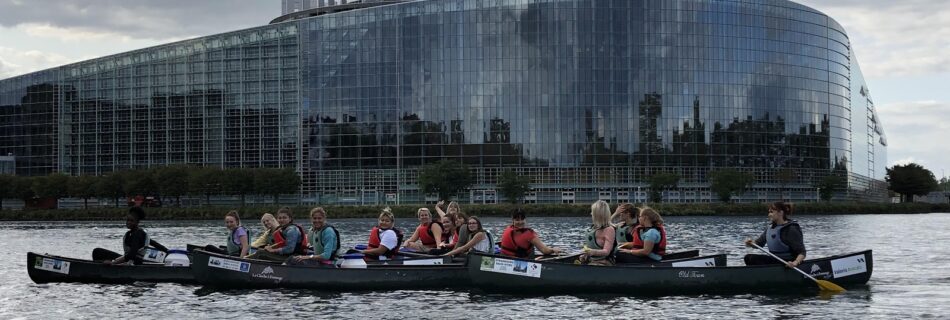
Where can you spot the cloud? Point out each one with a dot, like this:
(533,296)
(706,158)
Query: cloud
(913,131)
(28,61)
(140,19)
(894,38)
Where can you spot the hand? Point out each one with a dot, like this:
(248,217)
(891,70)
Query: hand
(441,202)
(748,243)
(792,264)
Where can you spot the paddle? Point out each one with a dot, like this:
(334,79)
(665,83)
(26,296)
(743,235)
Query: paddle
(822,284)
(100,254)
(559,257)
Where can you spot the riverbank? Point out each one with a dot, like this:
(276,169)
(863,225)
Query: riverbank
(484,210)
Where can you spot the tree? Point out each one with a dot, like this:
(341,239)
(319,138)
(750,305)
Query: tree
(205,181)
(785,177)
(910,180)
(726,183)
(110,186)
(51,186)
(237,181)
(22,188)
(6,187)
(512,186)
(275,182)
(172,181)
(661,182)
(829,185)
(82,187)
(446,178)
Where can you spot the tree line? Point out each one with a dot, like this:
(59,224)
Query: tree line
(167,182)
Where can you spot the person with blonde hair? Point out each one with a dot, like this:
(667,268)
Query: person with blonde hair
(384,238)
(267,234)
(599,246)
(649,240)
(428,234)
(323,238)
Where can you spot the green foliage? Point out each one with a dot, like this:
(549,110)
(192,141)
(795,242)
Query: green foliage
(910,180)
(512,186)
(82,187)
(172,181)
(829,185)
(446,178)
(660,182)
(110,186)
(407,212)
(138,182)
(51,186)
(237,181)
(275,182)
(726,183)
(205,182)
(6,187)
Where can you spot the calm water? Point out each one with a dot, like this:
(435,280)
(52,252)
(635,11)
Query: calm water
(911,276)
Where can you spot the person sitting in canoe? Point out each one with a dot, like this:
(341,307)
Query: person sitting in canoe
(479,239)
(520,241)
(324,240)
(459,220)
(450,234)
(599,247)
(428,234)
(237,241)
(649,240)
(294,238)
(135,243)
(628,215)
(384,239)
(783,237)
(269,235)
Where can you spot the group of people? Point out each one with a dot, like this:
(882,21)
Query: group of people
(628,235)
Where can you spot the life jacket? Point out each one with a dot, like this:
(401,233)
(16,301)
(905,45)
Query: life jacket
(517,242)
(277,239)
(624,233)
(592,243)
(301,246)
(316,242)
(234,248)
(448,238)
(375,240)
(773,238)
(425,234)
(145,253)
(658,248)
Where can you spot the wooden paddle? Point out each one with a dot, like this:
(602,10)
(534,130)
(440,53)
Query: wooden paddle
(100,254)
(824,285)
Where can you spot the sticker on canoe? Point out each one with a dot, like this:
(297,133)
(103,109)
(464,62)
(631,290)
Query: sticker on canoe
(847,266)
(708,262)
(229,264)
(51,265)
(515,267)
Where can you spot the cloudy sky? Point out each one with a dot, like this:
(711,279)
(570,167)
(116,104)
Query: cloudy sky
(902,47)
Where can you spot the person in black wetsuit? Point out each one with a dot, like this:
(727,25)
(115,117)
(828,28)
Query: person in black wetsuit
(136,240)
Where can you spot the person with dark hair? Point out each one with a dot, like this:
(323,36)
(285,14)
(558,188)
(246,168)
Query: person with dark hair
(628,215)
(295,240)
(649,239)
(479,239)
(783,238)
(135,243)
(520,241)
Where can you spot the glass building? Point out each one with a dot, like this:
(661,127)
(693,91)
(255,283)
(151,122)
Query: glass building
(589,98)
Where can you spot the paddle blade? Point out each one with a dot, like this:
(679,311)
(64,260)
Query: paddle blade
(826,285)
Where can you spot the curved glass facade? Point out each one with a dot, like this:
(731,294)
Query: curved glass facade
(587,97)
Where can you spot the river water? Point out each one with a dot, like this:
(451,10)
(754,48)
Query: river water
(911,277)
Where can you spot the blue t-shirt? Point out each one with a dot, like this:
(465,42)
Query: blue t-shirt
(653,236)
(291,237)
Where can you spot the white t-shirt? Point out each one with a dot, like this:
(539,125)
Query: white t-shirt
(484,246)
(389,240)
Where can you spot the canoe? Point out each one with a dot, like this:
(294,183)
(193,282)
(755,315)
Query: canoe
(667,257)
(493,273)
(45,268)
(222,271)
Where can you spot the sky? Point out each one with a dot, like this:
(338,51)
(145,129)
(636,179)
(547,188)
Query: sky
(901,46)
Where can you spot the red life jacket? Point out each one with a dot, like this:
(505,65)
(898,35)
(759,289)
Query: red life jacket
(302,242)
(375,241)
(425,234)
(658,248)
(517,242)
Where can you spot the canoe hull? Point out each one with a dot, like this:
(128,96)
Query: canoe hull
(44,268)
(221,271)
(503,274)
